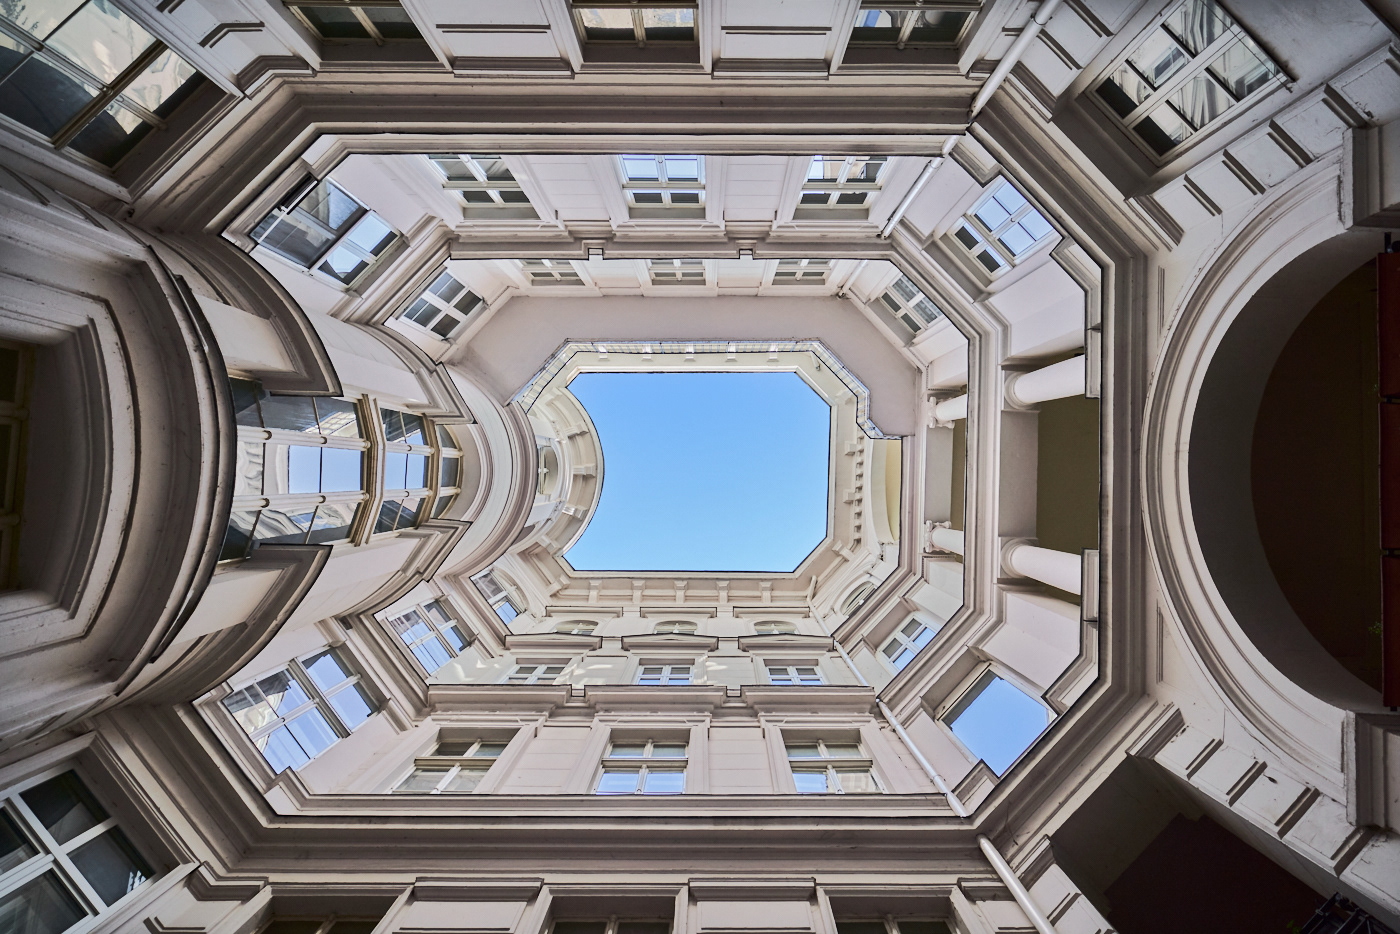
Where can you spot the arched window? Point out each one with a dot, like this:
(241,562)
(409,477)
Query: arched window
(576,627)
(675,627)
(773,627)
(856,598)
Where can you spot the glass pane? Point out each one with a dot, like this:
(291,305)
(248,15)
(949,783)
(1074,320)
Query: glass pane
(248,468)
(283,692)
(881,26)
(852,197)
(1036,225)
(276,527)
(102,39)
(1163,129)
(293,237)
(332,522)
(628,750)
(494,167)
(422,780)
(454,637)
(1008,197)
(38,17)
(388,516)
(899,655)
(804,751)
(292,413)
(341,471)
(248,708)
(14,848)
(450,472)
(664,783)
(371,234)
(489,750)
(416,476)
(431,655)
(1015,239)
(638,167)
(1201,100)
(312,732)
(395,470)
(999,724)
(344,265)
(673,25)
(40,906)
(411,626)
(668,751)
(393,425)
(334,22)
(282,751)
(810,783)
(408,512)
(1124,90)
(111,134)
(64,806)
(857,783)
(421,312)
(941,26)
(606,23)
(352,705)
(466,780)
(42,97)
(445,287)
(392,22)
(1158,58)
(112,865)
(992,214)
(618,783)
(1243,68)
(1198,23)
(412,429)
(338,417)
(682,168)
(303,468)
(327,203)
(326,670)
(159,82)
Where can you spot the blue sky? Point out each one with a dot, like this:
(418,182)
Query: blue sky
(705,471)
(1000,724)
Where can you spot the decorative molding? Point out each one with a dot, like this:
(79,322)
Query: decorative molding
(219,32)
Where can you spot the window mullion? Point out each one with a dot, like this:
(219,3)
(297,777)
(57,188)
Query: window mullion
(368,24)
(639,29)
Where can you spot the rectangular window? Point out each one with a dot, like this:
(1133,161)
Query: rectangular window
(663,674)
(295,714)
(506,604)
(484,183)
(663,182)
(551,272)
(16,368)
(1189,70)
(450,475)
(676,271)
(612,21)
(379,20)
(645,767)
(443,307)
(841,182)
(319,225)
(86,76)
(536,674)
(793,674)
(430,633)
(895,25)
(802,272)
(413,469)
(1002,228)
(63,858)
(907,302)
(996,720)
(453,768)
(831,768)
(906,643)
(299,470)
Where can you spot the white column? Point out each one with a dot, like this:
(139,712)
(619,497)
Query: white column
(1056,568)
(946,539)
(1056,381)
(950,410)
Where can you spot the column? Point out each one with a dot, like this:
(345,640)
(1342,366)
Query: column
(1056,381)
(950,410)
(1056,568)
(942,538)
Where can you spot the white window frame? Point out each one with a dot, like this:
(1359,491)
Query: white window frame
(55,857)
(545,273)
(907,308)
(289,206)
(675,627)
(507,595)
(442,319)
(576,627)
(974,237)
(677,272)
(774,627)
(662,184)
(809,272)
(536,672)
(831,766)
(903,40)
(791,674)
(449,449)
(643,765)
(439,622)
(661,674)
(16,415)
(473,760)
(638,23)
(902,641)
(480,180)
(967,693)
(840,193)
(426,495)
(1196,65)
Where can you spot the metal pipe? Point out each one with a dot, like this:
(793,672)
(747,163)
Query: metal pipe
(953,801)
(910,195)
(1013,55)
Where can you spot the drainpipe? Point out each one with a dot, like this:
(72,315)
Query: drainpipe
(1013,55)
(989,849)
(918,185)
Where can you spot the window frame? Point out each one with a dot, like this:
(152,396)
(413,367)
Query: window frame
(552,272)
(662,184)
(507,595)
(668,674)
(428,495)
(802,272)
(842,185)
(453,765)
(639,36)
(669,272)
(1196,65)
(988,239)
(785,627)
(539,671)
(903,40)
(642,765)
(830,766)
(52,857)
(480,180)
(436,310)
(793,676)
(289,207)
(907,643)
(675,627)
(576,627)
(907,309)
(968,691)
(437,629)
(357,8)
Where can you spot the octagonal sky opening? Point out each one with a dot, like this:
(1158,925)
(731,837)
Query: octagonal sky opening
(705,472)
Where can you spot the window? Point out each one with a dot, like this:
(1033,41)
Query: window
(64,859)
(627,22)
(897,25)
(450,474)
(299,470)
(996,720)
(826,768)
(484,183)
(443,306)
(841,181)
(87,76)
(16,365)
(576,627)
(892,926)
(551,272)
(676,271)
(675,626)
(907,302)
(320,226)
(295,714)
(802,272)
(612,926)
(535,674)
(1192,68)
(857,597)
(1003,228)
(663,181)
(430,633)
(906,642)
(663,674)
(793,674)
(408,461)
(379,20)
(453,768)
(502,602)
(772,627)
(648,768)
(312,924)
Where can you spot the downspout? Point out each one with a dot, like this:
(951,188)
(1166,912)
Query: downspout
(914,190)
(1013,55)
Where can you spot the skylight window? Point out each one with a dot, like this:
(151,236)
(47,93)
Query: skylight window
(997,721)
(1003,228)
(663,181)
(705,471)
(886,24)
(842,181)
